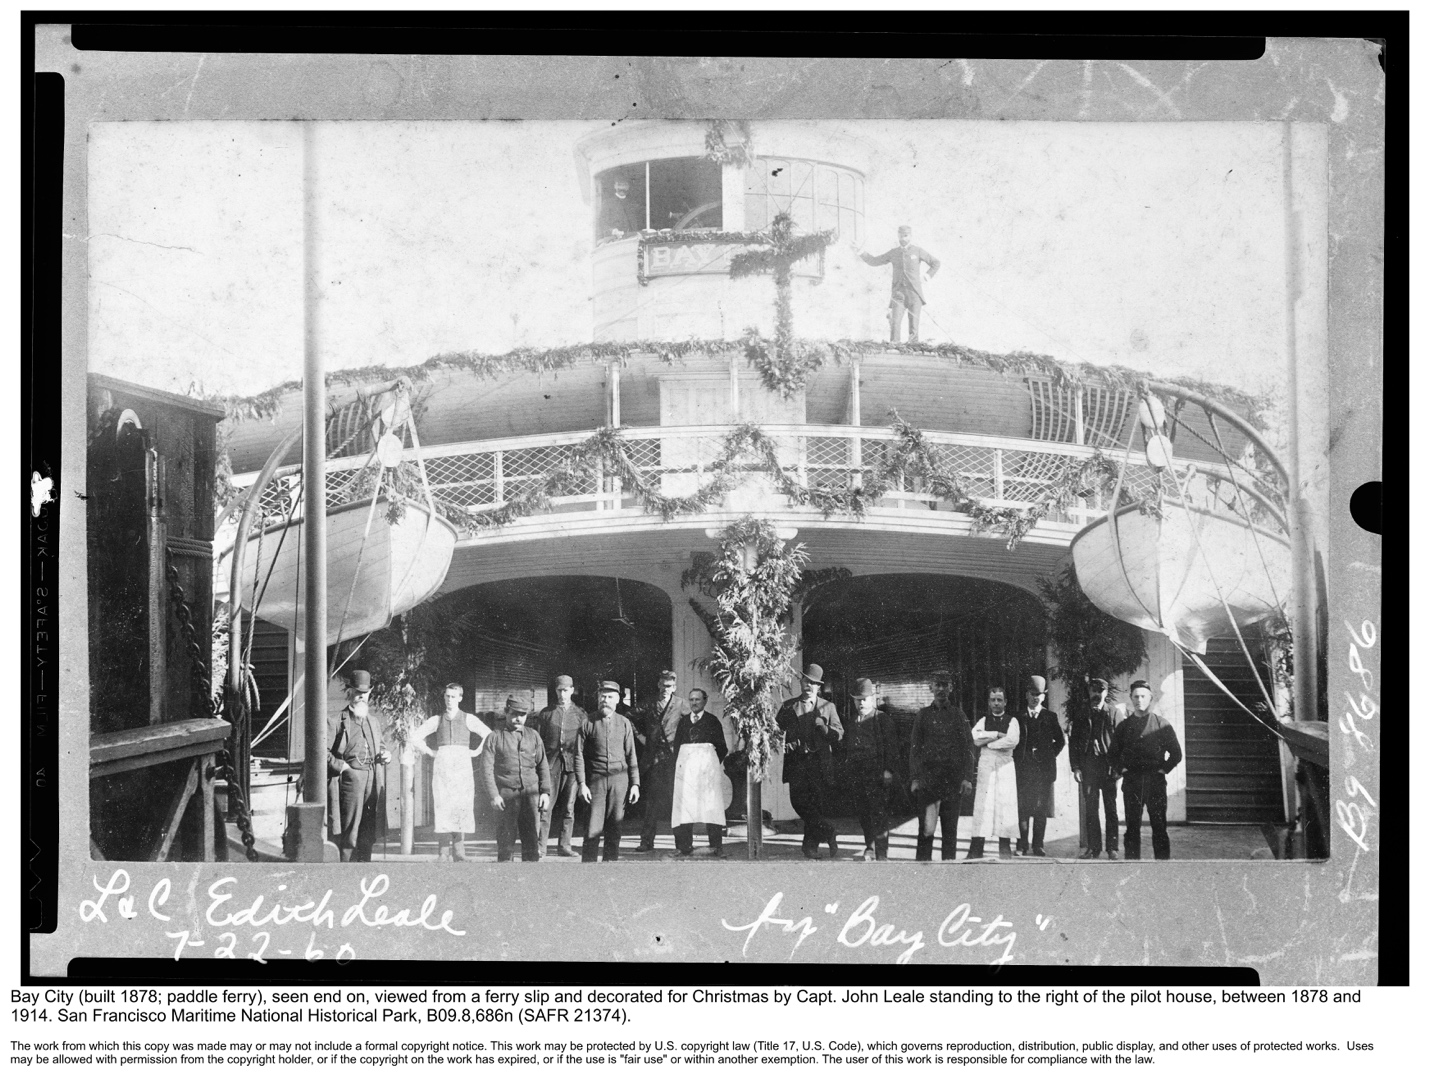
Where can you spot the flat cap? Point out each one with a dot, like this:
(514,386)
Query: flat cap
(518,705)
(564,681)
(610,686)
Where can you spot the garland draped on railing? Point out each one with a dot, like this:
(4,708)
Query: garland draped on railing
(487,365)
(746,449)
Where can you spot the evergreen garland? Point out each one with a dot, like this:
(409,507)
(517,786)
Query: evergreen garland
(484,365)
(1087,641)
(747,449)
(720,149)
(753,579)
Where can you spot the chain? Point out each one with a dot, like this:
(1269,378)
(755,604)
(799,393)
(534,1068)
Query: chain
(245,824)
(204,702)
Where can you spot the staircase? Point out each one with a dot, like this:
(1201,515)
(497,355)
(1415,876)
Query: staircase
(1233,765)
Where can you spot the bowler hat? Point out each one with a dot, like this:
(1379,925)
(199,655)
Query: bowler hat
(518,705)
(862,687)
(610,686)
(360,681)
(814,673)
(564,681)
(1037,684)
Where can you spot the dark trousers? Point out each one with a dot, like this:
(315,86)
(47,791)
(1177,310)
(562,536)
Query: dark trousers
(608,809)
(1098,787)
(900,302)
(866,787)
(807,791)
(1149,789)
(657,797)
(357,800)
(563,806)
(941,808)
(685,837)
(520,815)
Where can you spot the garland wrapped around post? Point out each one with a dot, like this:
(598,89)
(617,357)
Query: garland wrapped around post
(753,578)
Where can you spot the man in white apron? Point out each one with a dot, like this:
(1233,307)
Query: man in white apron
(995,807)
(453,785)
(699,797)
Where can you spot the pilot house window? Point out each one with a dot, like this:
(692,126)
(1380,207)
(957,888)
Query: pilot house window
(662,194)
(818,197)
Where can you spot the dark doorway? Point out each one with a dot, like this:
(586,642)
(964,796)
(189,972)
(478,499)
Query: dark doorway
(897,629)
(516,636)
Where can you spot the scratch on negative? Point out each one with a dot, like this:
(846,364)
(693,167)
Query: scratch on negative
(642,911)
(1029,79)
(1364,954)
(1143,81)
(194,82)
(1249,895)
(1221,925)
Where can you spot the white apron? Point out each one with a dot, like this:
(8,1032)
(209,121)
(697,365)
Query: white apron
(453,790)
(699,795)
(995,806)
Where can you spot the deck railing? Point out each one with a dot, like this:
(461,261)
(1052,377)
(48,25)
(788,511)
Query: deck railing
(999,470)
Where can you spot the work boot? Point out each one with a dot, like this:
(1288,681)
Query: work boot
(975,847)
(881,849)
(924,851)
(1005,847)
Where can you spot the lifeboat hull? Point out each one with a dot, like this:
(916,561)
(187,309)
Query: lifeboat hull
(1180,575)
(369,583)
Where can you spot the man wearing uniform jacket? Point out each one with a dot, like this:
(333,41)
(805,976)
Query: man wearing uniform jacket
(517,781)
(1144,749)
(607,773)
(1036,759)
(1088,750)
(811,728)
(942,767)
(870,750)
(560,726)
(356,802)
(906,289)
(659,721)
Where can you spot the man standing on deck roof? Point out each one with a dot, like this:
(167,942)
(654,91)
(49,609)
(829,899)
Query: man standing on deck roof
(906,289)
(560,728)
(1144,749)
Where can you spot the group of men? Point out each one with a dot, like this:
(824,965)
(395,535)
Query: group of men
(532,774)
(1012,778)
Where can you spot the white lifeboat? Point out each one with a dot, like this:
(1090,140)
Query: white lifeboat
(1181,574)
(397,566)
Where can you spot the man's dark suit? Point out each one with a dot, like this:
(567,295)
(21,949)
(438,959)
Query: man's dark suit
(356,784)
(810,732)
(658,725)
(1088,752)
(906,287)
(559,732)
(1040,739)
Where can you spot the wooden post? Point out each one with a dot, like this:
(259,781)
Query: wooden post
(754,816)
(405,778)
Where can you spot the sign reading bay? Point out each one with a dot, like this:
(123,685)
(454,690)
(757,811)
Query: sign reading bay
(658,257)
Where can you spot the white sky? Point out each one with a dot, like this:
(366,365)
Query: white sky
(1154,246)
